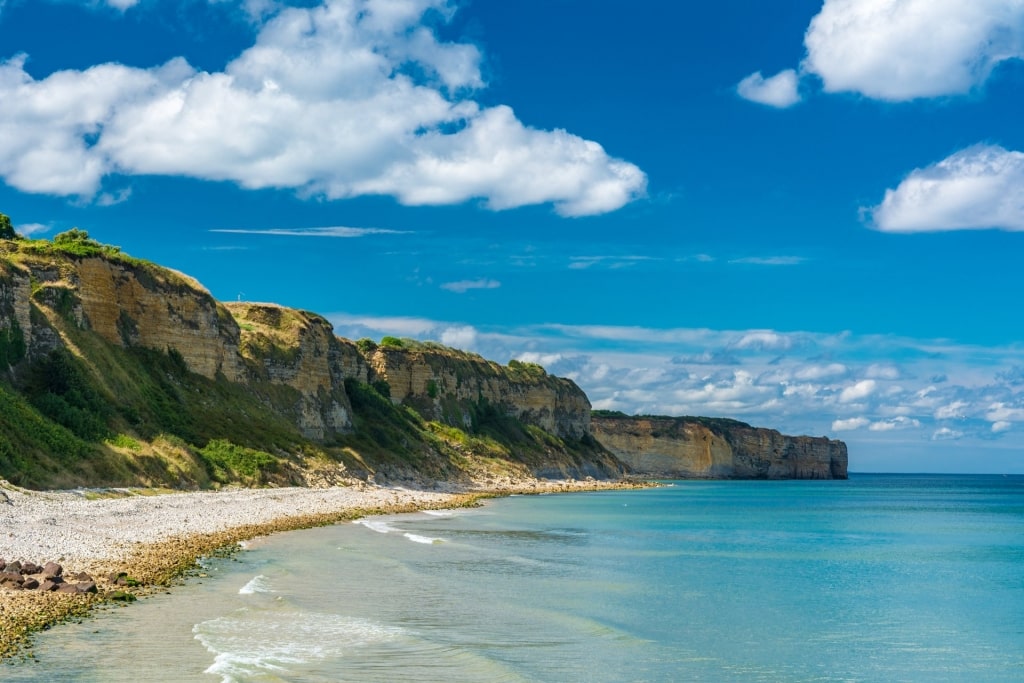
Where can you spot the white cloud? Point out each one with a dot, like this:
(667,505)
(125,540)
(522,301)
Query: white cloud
(763,340)
(951,411)
(323,104)
(1001,426)
(29,229)
(463,286)
(945,433)
(1000,412)
(460,337)
(779,90)
(543,359)
(813,372)
(850,424)
(976,188)
(858,391)
(900,422)
(905,49)
(770,260)
(333,231)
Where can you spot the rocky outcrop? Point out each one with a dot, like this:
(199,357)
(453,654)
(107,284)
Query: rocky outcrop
(130,303)
(299,350)
(717,449)
(453,387)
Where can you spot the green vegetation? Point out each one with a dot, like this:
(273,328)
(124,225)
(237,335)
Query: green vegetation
(228,462)
(79,409)
(719,424)
(6,229)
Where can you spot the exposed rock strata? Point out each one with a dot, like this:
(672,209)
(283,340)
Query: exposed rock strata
(717,449)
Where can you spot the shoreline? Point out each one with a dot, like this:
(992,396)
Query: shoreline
(157,537)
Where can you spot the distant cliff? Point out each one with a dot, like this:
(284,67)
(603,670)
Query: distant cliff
(707,448)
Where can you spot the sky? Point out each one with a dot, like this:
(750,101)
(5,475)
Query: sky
(804,215)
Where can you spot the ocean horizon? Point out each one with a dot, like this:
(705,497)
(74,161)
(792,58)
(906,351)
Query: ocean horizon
(882,577)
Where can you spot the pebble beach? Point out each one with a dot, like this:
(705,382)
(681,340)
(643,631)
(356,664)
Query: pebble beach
(155,537)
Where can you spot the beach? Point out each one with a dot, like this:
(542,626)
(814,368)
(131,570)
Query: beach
(152,537)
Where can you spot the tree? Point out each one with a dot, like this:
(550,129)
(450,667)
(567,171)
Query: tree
(6,229)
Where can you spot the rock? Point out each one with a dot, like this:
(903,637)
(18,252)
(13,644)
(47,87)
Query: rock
(52,569)
(87,587)
(31,568)
(3,564)
(48,585)
(710,448)
(14,567)
(118,578)
(30,584)
(67,588)
(11,578)
(82,576)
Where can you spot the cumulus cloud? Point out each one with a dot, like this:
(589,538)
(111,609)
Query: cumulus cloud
(946,434)
(858,391)
(850,424)
(325,103)
(463,286)
(899,50)
(905,49)
(460,336)
(779,90)
(899,422)
(976,188)
(1001,426)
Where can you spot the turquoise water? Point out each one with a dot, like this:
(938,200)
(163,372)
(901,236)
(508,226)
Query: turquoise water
(879,578)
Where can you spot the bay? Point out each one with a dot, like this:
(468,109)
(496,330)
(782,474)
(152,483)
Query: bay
(878,578)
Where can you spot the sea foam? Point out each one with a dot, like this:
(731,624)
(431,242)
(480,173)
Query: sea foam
(254,643)
(258,584)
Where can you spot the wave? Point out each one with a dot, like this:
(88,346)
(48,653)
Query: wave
(259,584)
(440,513)
(266,644)
(377,525)
(415,538)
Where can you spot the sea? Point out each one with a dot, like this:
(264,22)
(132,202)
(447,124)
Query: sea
(877,578)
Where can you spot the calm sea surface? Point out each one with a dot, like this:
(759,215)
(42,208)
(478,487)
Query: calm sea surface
(879,578)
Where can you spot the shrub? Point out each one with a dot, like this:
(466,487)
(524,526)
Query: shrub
(392,342)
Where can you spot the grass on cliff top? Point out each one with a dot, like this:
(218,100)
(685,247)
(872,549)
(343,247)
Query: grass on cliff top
(713,423)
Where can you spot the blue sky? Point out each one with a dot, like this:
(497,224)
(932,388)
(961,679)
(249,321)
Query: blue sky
(805,215)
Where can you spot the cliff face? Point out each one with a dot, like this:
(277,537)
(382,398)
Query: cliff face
(108,346)
(451,386)
(717,449)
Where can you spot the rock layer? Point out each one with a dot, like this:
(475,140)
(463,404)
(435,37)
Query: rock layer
(717,449)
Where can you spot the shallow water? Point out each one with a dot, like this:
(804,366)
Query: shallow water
(880,578)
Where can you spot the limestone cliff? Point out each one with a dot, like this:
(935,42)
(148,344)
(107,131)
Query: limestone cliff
(448,385)
(126,356)
(717,449)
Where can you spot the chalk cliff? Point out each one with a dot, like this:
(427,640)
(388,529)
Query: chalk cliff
(717,449)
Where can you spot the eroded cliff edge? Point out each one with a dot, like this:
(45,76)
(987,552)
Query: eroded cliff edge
(709,448)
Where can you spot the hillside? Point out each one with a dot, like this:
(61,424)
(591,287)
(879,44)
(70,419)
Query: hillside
(116,371)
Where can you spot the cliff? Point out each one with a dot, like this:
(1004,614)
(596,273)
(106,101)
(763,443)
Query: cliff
(705,448)
(118,371)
